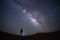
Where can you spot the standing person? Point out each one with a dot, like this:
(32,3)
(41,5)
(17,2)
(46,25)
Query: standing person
(21,32)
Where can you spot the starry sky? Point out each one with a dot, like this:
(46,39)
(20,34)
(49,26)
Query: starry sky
(34,16)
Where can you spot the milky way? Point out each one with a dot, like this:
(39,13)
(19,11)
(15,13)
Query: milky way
(34,16)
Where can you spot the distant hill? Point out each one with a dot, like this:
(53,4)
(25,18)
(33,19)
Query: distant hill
(39,36)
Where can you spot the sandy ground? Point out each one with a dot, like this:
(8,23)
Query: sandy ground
(38,36)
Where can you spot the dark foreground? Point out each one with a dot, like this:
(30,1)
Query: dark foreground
(39,36)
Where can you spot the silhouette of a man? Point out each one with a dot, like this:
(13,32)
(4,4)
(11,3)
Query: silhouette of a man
(21,32)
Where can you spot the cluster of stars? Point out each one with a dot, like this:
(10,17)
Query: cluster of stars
(30,17)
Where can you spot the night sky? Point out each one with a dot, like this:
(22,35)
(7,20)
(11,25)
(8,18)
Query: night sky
(34,16)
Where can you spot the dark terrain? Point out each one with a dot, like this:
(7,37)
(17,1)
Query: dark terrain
(39,36)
